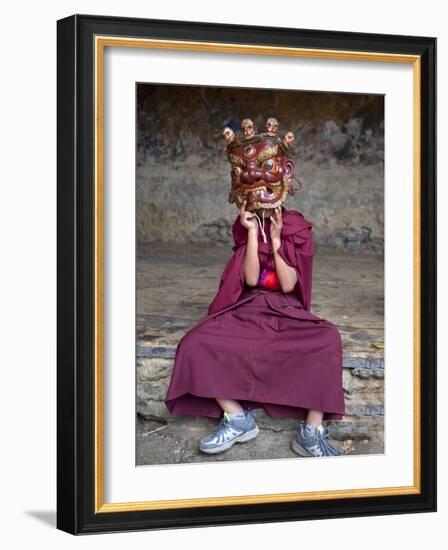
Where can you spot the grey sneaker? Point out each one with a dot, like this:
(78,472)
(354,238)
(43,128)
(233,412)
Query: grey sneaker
(313,444)
(228,432)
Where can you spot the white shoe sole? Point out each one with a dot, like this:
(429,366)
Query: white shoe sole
(301,450)
(240,439)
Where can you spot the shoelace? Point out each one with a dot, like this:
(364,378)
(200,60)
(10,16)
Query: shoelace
(221,424)
(325,445)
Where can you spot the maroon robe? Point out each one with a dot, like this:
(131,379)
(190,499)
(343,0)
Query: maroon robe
(261,347)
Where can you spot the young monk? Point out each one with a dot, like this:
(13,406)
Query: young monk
(259,346)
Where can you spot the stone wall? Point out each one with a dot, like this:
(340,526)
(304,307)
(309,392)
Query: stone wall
(183,176)
(363,388)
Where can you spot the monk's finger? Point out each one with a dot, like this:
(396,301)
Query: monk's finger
(280,219)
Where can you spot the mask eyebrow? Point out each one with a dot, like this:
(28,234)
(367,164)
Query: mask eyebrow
(267,154)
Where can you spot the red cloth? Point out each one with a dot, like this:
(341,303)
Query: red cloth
(269,279)
(262,347)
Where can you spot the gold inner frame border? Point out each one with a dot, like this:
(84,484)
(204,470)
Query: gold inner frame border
(100,43)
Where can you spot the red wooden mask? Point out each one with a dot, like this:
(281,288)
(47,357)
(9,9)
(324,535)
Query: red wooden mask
(261,167)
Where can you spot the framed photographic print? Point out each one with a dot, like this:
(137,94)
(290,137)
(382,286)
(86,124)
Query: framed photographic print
(246,274)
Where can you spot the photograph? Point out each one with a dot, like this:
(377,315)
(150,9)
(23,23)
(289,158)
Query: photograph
(259,274)
(221,275)
(246,266)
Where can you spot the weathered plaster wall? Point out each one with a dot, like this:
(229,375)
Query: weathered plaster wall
(183,176)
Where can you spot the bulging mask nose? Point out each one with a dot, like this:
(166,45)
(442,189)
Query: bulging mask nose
(252,173)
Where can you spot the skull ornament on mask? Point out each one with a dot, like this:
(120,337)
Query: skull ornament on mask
(288,139)
(261,167)
(272,126)
(228,134)
(248,128)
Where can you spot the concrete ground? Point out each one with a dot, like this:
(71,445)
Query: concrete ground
(175,284)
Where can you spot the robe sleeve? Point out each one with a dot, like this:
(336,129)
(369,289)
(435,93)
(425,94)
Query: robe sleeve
(232,281)
(297,250)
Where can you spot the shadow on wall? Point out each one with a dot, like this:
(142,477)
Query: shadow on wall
(183,176)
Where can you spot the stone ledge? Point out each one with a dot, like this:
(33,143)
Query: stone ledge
(363,389)
(350,362)
(155,409)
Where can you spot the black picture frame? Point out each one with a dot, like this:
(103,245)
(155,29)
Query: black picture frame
(76,508)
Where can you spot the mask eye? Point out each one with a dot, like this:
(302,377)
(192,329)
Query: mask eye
(236,171)
(269,164)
